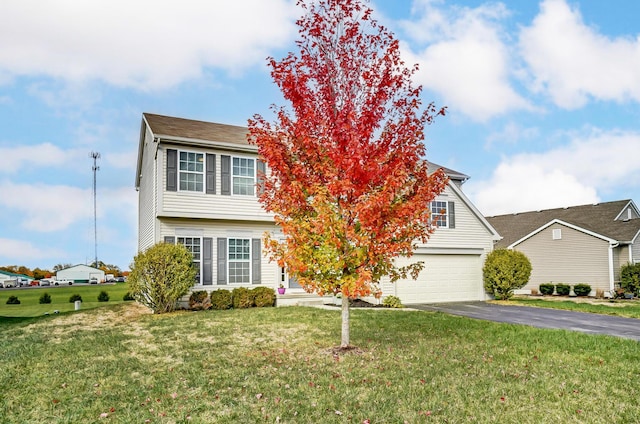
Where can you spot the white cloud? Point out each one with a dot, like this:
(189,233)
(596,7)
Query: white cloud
(19,251)
(573,62)
(466,59)
(576,173)
(144,44)
(511,134)
(46,155)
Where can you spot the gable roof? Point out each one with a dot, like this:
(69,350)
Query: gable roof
(599,218)
(13,274)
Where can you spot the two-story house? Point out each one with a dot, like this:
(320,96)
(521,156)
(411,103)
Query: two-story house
(197,185)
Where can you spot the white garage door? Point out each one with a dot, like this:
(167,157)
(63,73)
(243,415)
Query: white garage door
(445,278)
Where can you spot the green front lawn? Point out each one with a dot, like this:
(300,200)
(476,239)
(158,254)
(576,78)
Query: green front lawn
(277,365)
(29,299)
(622,308)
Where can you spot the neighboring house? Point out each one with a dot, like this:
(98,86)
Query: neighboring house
(197,185)
(13,279)
(80,273)
(580,244)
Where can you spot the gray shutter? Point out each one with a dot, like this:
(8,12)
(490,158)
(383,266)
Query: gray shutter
(225,175)
(170,239)
(452,214)
(172,170)
(207,261)
(256,261)
(260,176)
(222,261)
(211,174)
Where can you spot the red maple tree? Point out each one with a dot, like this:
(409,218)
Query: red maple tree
(347,184)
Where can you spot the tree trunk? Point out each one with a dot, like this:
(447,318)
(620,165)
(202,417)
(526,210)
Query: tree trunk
(345,322)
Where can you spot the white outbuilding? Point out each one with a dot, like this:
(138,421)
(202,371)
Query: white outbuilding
(80,274)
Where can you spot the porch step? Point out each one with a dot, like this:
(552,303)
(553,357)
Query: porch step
(302,299)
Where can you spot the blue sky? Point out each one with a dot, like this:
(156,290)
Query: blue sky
(543,100)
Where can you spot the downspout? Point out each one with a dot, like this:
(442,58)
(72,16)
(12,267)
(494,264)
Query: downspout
(612,246)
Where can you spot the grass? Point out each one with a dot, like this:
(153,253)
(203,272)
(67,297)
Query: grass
(30,299)
(277,365)
(622,308)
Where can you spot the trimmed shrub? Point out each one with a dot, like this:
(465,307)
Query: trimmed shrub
(630,278)
(13,300)
(75,297)
(582,289)
(161,275)
(264,297)
(221,299)
(547,289)
(505,271)
(127,296)
(242,298)
(563,289)
(45,298)
(199,300)
(103,296)
(392,302)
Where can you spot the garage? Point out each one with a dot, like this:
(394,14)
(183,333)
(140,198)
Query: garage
(444,278)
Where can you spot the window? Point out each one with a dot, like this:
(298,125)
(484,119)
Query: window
(239,261)
(439,214)
(556,234)
(244,176)
(191,166)
(193,245)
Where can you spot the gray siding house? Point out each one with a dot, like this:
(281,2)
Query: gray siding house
(580,244)
(197,185)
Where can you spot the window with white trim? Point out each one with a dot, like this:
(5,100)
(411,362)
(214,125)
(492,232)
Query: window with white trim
(439,214)
(193,245)
(191,171)
(244,176)
(239,260)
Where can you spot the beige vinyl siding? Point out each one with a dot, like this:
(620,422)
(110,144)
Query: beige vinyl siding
(577,258)
(207,206)
(620,258)
(635,250)
(270,271)
(147,195)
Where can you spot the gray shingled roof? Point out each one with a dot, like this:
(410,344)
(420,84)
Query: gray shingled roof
(598,218)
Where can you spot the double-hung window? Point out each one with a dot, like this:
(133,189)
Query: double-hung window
(191,170)
(239,260)
(244,176)
(439,214)
(193,245)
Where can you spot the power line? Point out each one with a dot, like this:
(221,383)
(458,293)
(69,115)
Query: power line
(95,168)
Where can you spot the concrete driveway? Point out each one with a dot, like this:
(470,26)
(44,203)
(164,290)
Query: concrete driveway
(541,317)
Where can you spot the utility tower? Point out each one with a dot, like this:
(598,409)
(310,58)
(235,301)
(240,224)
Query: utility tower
(95,156)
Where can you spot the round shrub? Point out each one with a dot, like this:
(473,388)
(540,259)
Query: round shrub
(630,278)
(199,300)
(242,298)
(75,297)
(103,296)
(264,297)
(547,289)
(392,302)
(221,299)
(13,300)
(127,296)
(45,298)
(563,289)
(582,289)
(505,271)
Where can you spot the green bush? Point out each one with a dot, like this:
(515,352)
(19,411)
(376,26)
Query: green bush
(103,296)
(264,297)
(563,289)
(221,299)
(242,298)
(199,300)
(630,278)
(127,296)
(45,298)
(547,289)
(161,275)
(505,271)
(582,289)
(13,300)
(392,302)
(75,297)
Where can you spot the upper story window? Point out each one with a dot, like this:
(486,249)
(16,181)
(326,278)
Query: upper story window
(191,171)
(244,176)
(439,214)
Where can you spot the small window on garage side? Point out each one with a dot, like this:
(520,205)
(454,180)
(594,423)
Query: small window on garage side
(556,234)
